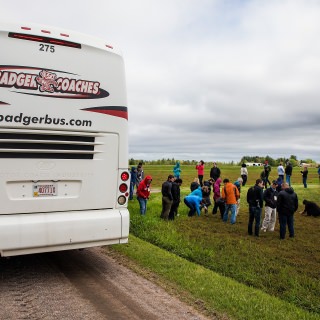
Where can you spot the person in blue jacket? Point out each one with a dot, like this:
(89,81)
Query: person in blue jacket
(193,201)
(197,192)
(177,170)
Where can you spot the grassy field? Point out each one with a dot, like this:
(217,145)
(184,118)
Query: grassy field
(233,274)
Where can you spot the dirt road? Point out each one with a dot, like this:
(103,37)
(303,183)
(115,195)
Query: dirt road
(82,285)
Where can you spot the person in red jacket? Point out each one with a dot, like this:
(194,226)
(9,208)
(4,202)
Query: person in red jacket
(143,194)
(200,168)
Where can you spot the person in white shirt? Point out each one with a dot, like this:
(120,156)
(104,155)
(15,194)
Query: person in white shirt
(281,171)
(244,174)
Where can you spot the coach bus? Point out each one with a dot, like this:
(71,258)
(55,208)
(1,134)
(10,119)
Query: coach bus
(64,176)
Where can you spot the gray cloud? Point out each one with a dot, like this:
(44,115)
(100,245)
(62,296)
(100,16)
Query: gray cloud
(207,79)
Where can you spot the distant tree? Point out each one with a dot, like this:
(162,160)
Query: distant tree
(310,161)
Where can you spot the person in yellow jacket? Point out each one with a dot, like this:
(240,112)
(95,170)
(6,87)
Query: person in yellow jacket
(230,194)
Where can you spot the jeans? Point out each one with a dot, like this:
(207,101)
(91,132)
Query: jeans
(304,181)
(285,220)
(233,209)
(131,190)
(288,179)
(191,206)
(266,181)
(254,214)
(143,205)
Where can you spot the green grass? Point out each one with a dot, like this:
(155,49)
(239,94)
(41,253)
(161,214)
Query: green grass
(251,278)
(216,295)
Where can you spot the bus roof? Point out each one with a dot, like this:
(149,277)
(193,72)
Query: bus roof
(57,33)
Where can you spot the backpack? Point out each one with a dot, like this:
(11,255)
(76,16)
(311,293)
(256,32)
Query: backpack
(251,199)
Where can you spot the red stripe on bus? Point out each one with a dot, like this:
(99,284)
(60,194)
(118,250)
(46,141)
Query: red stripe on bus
(115,113)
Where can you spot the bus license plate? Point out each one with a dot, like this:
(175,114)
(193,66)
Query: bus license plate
(44,190)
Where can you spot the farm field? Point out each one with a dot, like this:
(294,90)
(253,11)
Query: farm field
(287,270)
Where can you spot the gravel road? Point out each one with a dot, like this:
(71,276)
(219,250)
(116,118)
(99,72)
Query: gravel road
(85,284)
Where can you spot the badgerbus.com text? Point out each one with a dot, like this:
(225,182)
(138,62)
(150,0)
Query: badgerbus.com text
(29,120)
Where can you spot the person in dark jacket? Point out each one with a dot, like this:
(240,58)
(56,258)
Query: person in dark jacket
(206,202)
(215,172)
(267,171)
(133,181)
(304,176)
(167,198)
(255,201)
(287,205)
(270,209)
(310,209)
(288,172)
(175,191)
(279,184)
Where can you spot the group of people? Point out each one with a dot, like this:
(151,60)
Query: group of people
(284,202)
(279,198)
(284,174)
(170,197)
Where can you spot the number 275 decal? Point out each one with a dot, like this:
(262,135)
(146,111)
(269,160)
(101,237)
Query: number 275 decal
(46,48)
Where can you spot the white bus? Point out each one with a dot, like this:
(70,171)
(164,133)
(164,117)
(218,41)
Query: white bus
(64,179)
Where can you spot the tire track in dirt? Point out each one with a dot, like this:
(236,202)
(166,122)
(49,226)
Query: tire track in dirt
(85,284)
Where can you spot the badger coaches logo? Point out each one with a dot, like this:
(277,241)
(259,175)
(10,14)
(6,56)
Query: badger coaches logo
(49,83)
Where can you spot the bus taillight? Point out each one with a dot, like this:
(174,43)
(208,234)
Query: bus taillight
(123,187)
(125,176)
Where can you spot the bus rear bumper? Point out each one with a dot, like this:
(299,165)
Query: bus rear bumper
(54,231)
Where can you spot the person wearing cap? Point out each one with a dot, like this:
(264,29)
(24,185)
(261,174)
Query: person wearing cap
(167,198)
(270,212)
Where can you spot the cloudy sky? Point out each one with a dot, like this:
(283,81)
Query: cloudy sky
(206,79)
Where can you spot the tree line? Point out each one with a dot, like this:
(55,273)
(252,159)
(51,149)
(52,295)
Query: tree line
(256,159)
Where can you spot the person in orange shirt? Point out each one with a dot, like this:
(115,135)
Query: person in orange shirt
(230,194)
